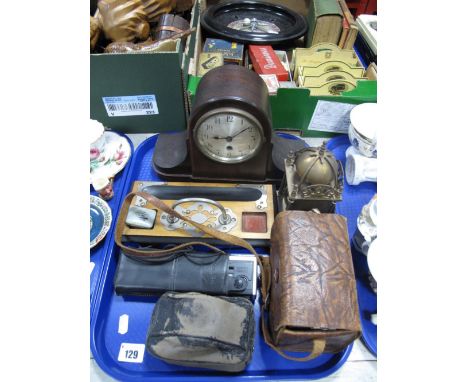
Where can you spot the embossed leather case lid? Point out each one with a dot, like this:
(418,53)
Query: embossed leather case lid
(313,292)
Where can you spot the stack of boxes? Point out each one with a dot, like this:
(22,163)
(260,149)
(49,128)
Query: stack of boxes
(327,70)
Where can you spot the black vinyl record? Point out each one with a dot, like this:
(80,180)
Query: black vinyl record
(253,22)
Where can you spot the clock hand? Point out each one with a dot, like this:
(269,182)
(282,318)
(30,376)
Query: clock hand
(233,136)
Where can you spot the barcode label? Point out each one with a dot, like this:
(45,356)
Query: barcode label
(130,105)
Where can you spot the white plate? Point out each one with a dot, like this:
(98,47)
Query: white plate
(116,153)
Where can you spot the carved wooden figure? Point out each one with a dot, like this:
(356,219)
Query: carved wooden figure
(123,20)
(94,31)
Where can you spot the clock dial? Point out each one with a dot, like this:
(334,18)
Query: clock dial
(228,135)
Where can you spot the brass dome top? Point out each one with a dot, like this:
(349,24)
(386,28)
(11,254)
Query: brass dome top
(317,165)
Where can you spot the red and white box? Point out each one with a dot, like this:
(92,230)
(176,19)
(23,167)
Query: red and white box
(271,82)
(265,61)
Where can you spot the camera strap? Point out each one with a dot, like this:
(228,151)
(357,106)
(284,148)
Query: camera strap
(167,254)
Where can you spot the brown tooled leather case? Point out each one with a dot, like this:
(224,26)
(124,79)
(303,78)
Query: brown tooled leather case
(313,290)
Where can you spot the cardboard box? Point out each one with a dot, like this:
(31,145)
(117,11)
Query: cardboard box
(143,92)
(265,61)
(283,57)
(208,61)
(271,82)
(171,78)
(292,108)
(232,51)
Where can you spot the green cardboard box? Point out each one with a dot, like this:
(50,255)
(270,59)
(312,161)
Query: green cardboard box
(169,80)
(292,109)
(142,92)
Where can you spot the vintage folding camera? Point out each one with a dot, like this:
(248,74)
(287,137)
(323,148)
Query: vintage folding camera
(244,210)
(211,273)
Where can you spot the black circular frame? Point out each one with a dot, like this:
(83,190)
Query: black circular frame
(216,18)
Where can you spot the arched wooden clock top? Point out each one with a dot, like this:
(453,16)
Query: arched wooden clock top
(230,125)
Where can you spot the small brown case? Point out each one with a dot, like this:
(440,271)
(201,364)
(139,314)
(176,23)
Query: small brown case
(313,301)
(197,330)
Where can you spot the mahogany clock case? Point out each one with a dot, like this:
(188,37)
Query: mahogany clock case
(233,87)
(171,160)
(239,90)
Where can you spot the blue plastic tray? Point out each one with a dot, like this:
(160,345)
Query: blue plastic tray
(266,364)
(98,253)
(354,198)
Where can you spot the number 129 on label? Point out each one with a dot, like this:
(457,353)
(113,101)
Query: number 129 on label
(131,352)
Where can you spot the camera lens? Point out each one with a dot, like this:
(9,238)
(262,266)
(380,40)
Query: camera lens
(240,282)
